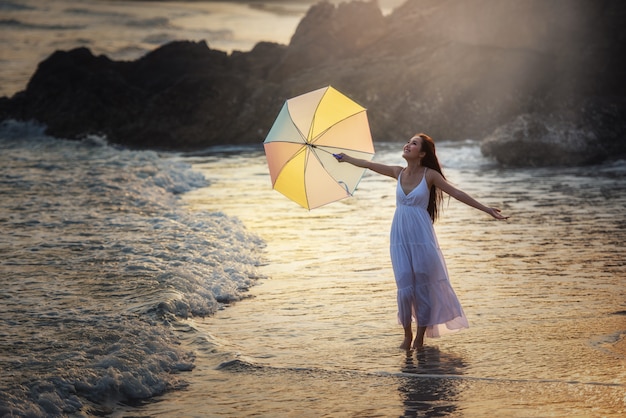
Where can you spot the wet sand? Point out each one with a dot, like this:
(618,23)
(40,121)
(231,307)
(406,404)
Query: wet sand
(543,293)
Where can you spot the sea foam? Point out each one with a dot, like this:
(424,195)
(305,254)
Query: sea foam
(101,261)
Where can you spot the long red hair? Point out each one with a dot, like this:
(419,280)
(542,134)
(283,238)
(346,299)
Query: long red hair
(430,160)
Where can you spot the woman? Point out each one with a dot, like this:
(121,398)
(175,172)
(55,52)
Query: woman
(424,290)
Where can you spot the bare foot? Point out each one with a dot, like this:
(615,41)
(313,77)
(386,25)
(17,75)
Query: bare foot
(406,344)
(408,337)
(418,344)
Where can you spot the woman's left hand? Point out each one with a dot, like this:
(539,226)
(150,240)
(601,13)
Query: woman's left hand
(495,212)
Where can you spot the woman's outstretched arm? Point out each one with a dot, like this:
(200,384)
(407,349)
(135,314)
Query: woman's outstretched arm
(386,170)
(436,179)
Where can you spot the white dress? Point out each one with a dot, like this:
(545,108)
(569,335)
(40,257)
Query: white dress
(424,290)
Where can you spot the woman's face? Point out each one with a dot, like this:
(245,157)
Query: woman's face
(413,148)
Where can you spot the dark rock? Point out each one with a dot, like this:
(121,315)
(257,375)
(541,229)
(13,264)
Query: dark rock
(330,35)
(532,140)
(523,74)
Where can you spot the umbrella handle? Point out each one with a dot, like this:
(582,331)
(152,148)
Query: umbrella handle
(337,156)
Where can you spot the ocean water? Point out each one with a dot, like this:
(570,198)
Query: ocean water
(31,30)
(99,261)
(145,284)
(544,293)
(137,283)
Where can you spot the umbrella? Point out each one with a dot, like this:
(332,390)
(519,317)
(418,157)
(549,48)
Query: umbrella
(300,145)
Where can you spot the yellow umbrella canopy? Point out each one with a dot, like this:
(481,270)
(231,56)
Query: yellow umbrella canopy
(300,145)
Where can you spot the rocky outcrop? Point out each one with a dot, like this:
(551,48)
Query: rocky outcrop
(181,96)
(592,134)
(533,140)
(521,74)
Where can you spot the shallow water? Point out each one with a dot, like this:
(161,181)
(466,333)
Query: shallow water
(544,293)
(98,260)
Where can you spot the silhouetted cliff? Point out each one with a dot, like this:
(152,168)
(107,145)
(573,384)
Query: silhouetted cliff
(540,81)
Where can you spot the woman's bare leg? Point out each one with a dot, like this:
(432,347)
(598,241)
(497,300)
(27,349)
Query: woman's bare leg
(408,337)
(418,344)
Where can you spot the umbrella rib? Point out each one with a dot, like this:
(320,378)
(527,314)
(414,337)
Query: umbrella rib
(319,103)
(295,154)
(306,165)
(313,140)
(323,148)
(315,148)
(304,143)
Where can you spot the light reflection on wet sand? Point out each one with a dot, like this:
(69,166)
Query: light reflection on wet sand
(543,292)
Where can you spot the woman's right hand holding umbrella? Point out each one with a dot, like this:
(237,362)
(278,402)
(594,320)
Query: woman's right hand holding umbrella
(341,157)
